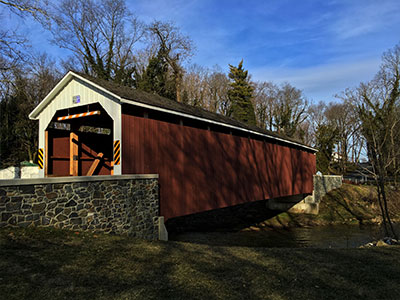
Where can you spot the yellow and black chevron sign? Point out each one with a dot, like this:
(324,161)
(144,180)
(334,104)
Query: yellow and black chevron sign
(117,152)
(40,158)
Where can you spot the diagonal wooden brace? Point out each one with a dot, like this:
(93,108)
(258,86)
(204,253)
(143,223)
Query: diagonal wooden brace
(94,164)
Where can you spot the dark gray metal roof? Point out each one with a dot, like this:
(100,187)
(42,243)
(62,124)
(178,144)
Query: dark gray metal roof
(155,100)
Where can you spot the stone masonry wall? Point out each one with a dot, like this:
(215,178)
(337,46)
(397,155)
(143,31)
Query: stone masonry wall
(126,204)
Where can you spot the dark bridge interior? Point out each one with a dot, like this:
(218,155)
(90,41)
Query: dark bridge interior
(81,145)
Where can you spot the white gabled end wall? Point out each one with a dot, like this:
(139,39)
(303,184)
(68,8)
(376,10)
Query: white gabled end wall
(89,94)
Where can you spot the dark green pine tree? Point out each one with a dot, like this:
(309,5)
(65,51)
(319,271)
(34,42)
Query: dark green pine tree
(157,78)
(240,95)
(326,138)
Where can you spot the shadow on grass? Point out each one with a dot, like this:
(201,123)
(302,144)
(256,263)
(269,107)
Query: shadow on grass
(233,218)
(109,267)
(302,274)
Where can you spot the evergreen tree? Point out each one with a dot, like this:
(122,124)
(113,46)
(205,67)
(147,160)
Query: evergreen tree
(18,134)
(326,138)
(240,95)
(157,78)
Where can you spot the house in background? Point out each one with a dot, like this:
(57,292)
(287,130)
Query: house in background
(204,160)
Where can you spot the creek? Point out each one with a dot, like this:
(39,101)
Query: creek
(337,236)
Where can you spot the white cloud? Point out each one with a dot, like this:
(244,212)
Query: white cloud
(324,81)
(363,17)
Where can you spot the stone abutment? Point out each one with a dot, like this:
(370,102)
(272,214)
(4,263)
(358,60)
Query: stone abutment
(125,204)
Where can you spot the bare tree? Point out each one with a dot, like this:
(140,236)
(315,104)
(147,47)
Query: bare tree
(206,88)
(101,34)
(30,85)
(281,108)
(175,47)
(217,84)
(290,110)
(378,106)
(265,100)
(35,8)
(346,123)
(316,117)
(11,57)
(13,46)
(194,86)
(308,136)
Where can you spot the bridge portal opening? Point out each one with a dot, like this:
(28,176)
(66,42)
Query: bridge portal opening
(79,142)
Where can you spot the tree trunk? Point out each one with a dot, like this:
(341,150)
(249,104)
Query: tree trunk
(381,207)
(178,87)
(389,221)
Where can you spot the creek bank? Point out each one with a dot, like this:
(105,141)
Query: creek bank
(347,205)
(348,218)
(385,242)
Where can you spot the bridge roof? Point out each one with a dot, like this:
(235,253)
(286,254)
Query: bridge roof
(133,96)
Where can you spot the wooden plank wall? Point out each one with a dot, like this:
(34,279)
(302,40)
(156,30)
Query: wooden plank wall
(90,144)
(201,169)
(58,153)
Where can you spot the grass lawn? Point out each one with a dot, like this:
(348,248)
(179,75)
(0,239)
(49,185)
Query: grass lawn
(55,264)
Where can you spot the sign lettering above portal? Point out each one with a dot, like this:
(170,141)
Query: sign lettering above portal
(76,99)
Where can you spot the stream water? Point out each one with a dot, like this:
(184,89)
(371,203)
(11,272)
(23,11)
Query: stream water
(338,236)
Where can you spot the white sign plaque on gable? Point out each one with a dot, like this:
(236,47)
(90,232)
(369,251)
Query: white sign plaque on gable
(76,99)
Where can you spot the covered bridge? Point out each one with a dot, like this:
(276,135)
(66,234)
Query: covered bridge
(204,160)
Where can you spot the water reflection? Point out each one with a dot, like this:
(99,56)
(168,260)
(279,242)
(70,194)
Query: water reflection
(338,236)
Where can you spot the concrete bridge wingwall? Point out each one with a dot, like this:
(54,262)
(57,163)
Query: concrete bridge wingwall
(308,204)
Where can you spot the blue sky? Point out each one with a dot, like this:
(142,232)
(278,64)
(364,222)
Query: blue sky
(319,46)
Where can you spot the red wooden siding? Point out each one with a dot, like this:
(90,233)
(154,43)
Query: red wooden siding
(201,169)
(90,144)
(58,153)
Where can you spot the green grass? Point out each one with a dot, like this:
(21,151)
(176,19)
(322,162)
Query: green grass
(351,203)
(40,263)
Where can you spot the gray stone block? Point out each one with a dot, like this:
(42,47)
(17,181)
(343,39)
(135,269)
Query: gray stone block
(61,218)
(45,221)
(62,200)
(51,195)
(4,199)
(24,224)
(27,189)
(48,188)
(12,220)
(5,216)
(26,206)
(70,203)
(38,207)
(13,207)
